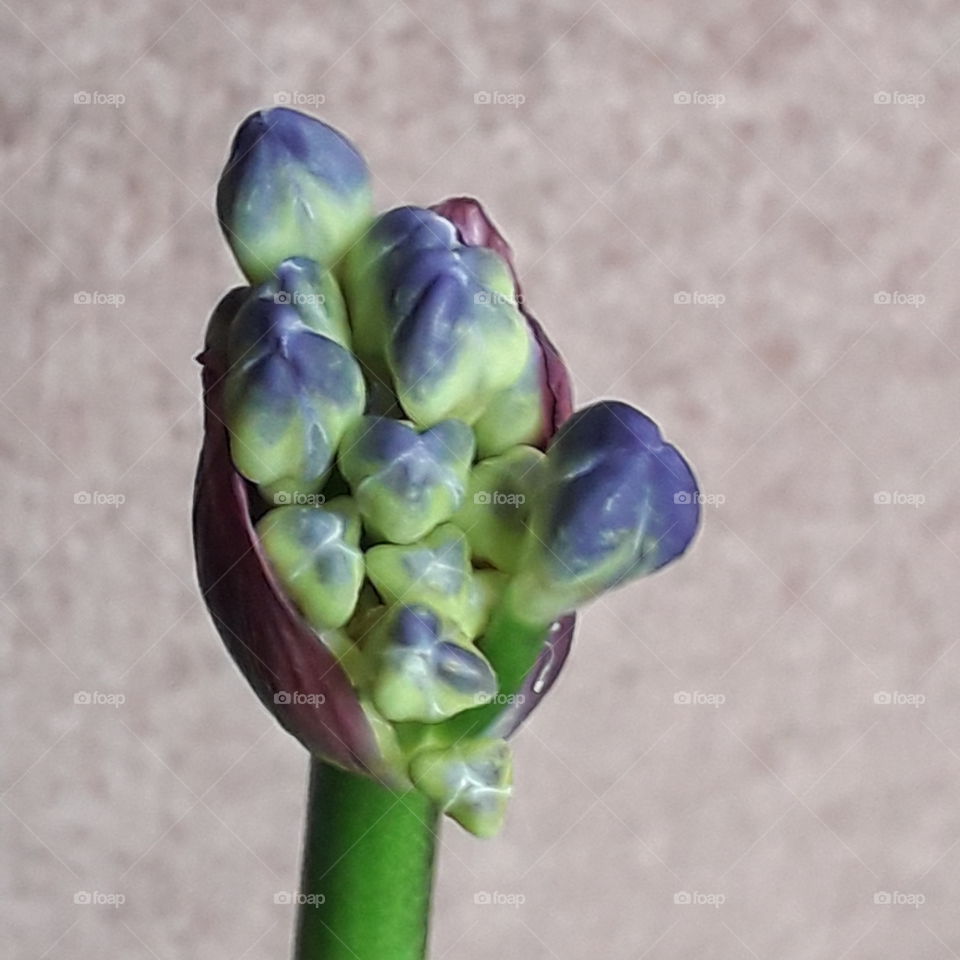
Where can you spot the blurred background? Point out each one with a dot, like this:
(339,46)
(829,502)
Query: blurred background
(742,218)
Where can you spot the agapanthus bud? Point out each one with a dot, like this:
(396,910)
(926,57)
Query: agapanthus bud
(317,684)
(499,498)
(470,781)
(291,394)
(516,415)
(405,481)
(508,416)
(616,502)
(440,317)
(435,572)
(423,669)
(314,293)
(292,187)
(315,552)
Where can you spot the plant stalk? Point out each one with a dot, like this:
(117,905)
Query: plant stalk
(367,870)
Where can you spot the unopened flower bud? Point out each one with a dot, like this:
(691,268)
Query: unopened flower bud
(470,781)
(315,553)
(293,187)
(435,572)
(439,316)
(423,670)
(405,481)
(616,502)
(313,292)
(495,510)
(291,394)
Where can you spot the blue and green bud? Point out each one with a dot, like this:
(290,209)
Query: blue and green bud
(423,669)
(516,415)
(292,187)
(439,317)
(315,553)
(615,502)
(434,572)
(358,413)
(498,501)
(470,781)
(314,293)
(406,481)
(290,395)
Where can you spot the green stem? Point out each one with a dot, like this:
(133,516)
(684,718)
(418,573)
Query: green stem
(367,870)
(512,646)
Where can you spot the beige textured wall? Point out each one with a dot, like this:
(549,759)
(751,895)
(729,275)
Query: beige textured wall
(797,199)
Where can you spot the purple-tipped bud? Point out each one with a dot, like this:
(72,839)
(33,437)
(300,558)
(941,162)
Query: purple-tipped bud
(440,317)
(617,502)
(293,187)
(291,394)
(405,482)
(423,670)
(293,671)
